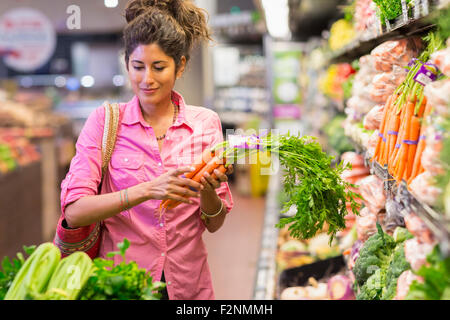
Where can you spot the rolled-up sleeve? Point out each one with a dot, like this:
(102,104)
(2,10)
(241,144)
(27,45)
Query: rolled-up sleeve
(84,174)
(215,127)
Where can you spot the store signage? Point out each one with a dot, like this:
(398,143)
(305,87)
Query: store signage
(286,111)
(286,71)
(28,36)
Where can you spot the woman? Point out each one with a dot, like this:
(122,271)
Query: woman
(159,137)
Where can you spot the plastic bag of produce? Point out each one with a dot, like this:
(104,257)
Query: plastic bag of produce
(356,160)
(366,224)
(437,95)
(418,228)
(423,189)
(372,143)
(385,83)
(373,119)
(404,281)
(372,190)
(431,154)
(395,52)
(441,59)
(416,252)
(360,106)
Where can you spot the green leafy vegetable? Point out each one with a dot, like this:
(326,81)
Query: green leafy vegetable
(310,183)
(375,254)
(10,268)
(124,281)
(373,287)
(381,261)
(436,279)
(313,187)
(390,9)
(397,265)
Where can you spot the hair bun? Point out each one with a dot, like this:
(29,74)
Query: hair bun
(135,8)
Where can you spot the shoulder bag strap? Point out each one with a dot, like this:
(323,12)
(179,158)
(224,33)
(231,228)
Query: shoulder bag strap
(109,133)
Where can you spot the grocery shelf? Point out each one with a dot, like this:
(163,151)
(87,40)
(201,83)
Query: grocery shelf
(403,26)
(265,282)
(435,221)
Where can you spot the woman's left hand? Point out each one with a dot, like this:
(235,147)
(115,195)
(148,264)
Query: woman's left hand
(210,183)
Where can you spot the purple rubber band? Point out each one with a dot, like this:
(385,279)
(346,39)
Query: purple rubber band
(422,137)
(398,145)
(384,139)
(391,132)
(410,142)
(380,135)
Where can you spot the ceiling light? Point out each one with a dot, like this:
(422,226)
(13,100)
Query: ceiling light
(277,18)
(111,3)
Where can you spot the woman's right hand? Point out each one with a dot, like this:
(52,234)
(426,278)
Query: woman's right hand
(171,185)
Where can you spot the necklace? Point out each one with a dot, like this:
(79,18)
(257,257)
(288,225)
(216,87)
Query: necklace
(175,114)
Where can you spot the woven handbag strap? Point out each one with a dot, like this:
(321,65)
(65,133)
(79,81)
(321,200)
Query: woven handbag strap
(109,133)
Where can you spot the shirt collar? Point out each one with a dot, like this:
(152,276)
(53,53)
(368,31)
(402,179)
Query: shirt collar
(133,113)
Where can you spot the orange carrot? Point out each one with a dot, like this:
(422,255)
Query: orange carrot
(417,163)
(206,156)
(199,163)
(382,125)
(422,107)
(222,169)
(392,134)
(403,156)
(214,163)
(413,137)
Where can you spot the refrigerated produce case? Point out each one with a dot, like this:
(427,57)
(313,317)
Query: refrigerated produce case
(405,209)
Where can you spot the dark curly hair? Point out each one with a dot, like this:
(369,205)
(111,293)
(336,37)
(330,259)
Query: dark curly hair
(175,25)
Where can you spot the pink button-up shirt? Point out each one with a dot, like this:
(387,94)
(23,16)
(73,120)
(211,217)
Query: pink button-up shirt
(172,243)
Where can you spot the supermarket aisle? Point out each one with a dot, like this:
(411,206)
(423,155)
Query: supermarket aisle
(234,249)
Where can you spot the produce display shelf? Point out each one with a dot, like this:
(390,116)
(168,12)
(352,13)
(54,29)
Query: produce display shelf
(435,221)
(404,26)
(265,282)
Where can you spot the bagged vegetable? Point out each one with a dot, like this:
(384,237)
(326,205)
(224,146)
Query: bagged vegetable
(418,228)
(441,59)
(373,118)
(371,143)
(372,190)
(356,160)
(422,187)
(395,52)
(437,95)
(366,224)
(416,252)
(384,84)
(403,284)
(430,157)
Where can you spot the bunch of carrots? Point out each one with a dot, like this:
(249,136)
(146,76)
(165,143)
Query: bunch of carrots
(208,162)
(401,138)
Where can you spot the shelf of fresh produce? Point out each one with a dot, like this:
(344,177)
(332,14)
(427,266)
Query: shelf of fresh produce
(400,29)
(435,221)
(320,270)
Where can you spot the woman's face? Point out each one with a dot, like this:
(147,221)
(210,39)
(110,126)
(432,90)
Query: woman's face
(152,74)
